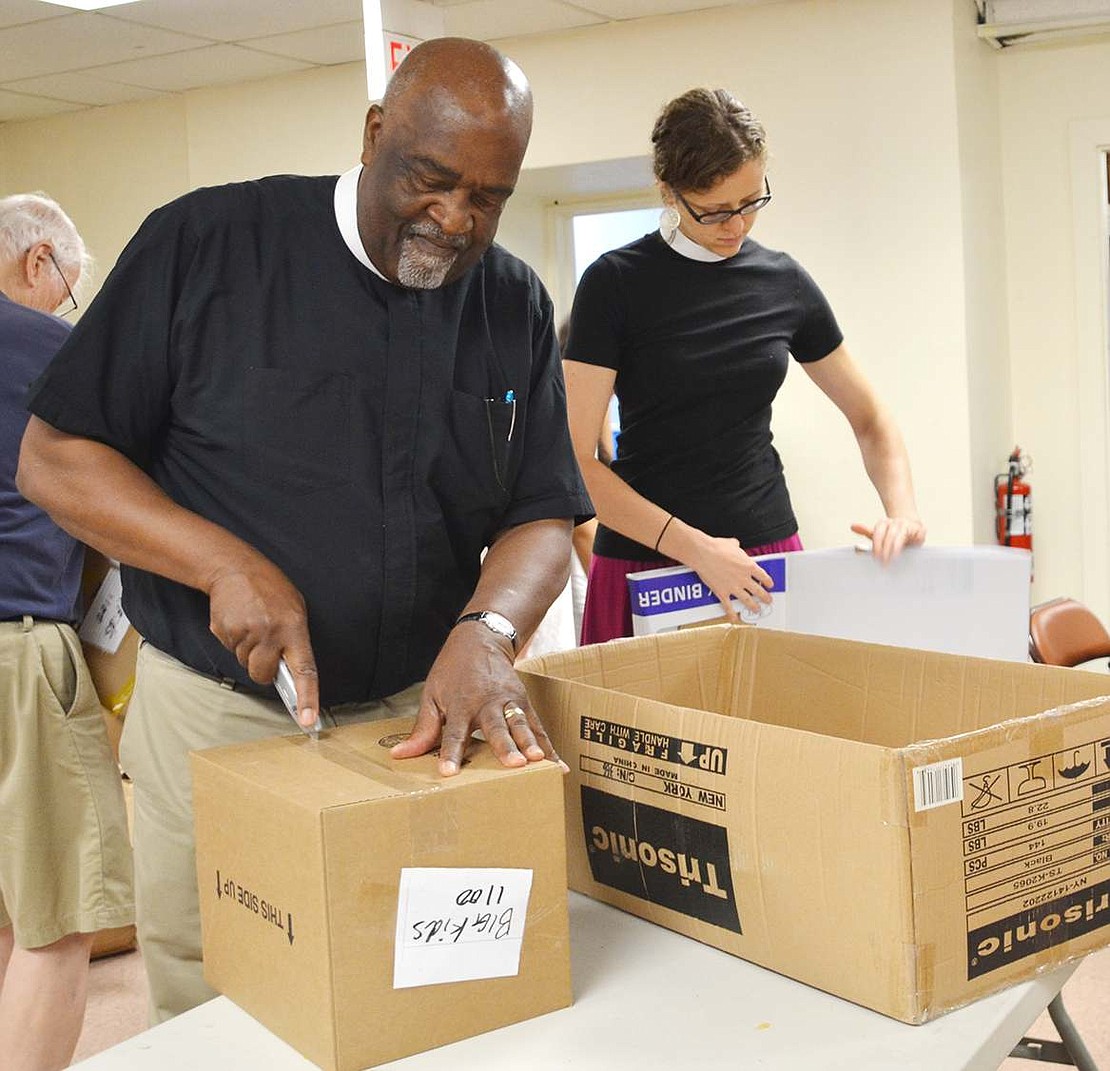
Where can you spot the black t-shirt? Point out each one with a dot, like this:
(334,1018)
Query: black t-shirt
(354,431)
(700,350)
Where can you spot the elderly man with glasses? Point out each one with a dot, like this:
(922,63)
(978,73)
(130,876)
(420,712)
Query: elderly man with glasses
(65,862)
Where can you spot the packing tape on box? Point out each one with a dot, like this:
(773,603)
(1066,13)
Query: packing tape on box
(427,839)
(927,969)
(1048,732)
(346,756)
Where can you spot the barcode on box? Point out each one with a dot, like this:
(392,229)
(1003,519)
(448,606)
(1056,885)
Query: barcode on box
(937,784)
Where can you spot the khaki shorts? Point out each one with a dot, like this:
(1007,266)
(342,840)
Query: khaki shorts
(65,855)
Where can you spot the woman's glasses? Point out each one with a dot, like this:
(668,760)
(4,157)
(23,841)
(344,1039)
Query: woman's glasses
(724,215)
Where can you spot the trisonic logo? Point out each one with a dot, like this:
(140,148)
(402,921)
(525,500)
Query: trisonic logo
(663,857)
(688,869)
(1050,923)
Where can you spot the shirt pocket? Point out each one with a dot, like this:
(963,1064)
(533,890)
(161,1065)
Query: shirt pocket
(297,429)
(472,471)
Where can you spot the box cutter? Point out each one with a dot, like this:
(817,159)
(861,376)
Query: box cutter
(283,682)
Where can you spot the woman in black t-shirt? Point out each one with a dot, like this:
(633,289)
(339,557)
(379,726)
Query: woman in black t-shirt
(693,328)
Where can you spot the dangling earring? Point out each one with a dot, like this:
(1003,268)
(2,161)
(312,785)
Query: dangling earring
(669,219)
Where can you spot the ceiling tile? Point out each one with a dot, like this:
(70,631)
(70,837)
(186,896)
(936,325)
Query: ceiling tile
(235,20)
(342,43)
(81,89)
(15,12)
(213,65)
(488,20)
(81,40)
(15,106)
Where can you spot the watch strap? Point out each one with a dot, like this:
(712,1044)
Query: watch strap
(495,622)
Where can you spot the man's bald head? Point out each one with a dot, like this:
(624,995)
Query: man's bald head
(441,155)
(478,78)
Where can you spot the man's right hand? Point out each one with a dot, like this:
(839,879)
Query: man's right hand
(105,500)
(258,615)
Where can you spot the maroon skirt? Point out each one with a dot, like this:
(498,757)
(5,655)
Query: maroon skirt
(608,611)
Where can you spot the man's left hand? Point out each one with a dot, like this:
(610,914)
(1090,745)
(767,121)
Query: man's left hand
(472,685)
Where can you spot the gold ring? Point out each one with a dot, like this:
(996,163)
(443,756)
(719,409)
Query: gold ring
(511,711)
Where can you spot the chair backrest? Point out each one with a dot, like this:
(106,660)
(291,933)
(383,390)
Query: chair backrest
(1063,632)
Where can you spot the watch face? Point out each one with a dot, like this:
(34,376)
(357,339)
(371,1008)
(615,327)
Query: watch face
(499,624)
(494,621)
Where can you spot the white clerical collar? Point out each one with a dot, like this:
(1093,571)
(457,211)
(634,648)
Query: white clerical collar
(689,248)
(346,216)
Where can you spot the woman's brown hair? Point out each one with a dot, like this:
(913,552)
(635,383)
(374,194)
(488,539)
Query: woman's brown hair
(702,136)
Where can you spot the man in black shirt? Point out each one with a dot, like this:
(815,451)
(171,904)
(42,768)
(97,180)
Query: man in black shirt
(298,412)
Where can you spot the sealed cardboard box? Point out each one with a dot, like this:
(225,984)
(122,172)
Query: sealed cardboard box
(905,829)
(365,908)
(963,600)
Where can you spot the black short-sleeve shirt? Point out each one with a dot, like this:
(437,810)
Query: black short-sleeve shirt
(353,431)
(700,350)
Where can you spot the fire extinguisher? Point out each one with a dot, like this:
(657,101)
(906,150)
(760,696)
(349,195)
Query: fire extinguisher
(1013,503)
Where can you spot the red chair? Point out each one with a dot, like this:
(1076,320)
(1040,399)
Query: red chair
(1063,632)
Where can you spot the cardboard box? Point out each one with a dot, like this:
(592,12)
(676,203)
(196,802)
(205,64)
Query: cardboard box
(905,829)
(963,600)
(365,908)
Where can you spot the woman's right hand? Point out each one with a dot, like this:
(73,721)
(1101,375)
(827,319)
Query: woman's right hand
(727,570)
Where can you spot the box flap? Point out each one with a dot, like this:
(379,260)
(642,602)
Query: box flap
(684,671)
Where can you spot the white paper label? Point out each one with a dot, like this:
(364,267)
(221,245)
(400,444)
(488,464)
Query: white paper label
(105,624)
(456,924)
(937,784)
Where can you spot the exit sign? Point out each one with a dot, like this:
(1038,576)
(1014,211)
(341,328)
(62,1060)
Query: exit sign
(396,47)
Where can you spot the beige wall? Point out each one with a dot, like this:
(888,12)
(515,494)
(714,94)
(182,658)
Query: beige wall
(108,167)
(984,267)
(908,177)
(1044,94)
(868,201)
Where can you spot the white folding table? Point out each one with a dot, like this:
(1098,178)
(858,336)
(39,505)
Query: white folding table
(644,998)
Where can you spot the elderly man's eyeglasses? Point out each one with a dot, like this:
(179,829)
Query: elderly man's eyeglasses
(72,306)
(723,216)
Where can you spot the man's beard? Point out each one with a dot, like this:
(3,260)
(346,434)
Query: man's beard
(417,266)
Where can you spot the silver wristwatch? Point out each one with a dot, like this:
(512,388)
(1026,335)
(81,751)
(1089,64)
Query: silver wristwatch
(494,621)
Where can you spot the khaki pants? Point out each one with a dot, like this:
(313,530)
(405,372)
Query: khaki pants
(65,856)
(173,711)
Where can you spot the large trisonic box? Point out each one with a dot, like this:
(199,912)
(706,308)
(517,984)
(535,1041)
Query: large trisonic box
(906,829)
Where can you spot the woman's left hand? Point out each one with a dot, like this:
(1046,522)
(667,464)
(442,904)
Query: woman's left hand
(890,534)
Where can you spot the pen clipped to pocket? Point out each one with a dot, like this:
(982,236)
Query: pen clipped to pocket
(501,418)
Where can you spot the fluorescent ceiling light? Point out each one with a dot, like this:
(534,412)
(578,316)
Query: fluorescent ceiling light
(87,5)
